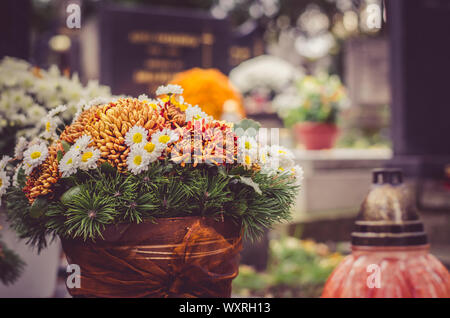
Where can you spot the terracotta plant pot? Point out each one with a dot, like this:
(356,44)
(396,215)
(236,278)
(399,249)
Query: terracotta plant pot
(316,136)
(175,257)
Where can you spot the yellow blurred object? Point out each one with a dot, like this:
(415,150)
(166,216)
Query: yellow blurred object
(210,89)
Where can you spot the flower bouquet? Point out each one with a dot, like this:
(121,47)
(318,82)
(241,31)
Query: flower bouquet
(27,93)
(151,198)
(312,109)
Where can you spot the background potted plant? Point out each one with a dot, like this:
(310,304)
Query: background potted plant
(311,109)
(151,198)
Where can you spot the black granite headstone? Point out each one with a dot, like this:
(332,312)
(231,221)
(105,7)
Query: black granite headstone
(142,48)
(420,71)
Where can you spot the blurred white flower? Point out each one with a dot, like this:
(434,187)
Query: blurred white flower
(298,173)
(169,89)
(285,102)
(4,161)
(21,145)
(195,113)
(265,71)
(27,93)
(4,183)
(57,110)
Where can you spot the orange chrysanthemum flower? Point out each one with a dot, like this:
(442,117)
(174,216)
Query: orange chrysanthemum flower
(208,88)
(42,178)
(108,125)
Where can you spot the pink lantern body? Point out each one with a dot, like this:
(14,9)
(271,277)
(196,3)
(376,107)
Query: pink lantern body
(404,272)
(390,257)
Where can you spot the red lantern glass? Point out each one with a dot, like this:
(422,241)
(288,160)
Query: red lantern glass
(390,257)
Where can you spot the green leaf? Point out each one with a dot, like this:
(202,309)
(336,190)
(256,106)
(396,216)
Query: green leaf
(251,183)
(65,145)
(59,155)
(38,207)
(70,194)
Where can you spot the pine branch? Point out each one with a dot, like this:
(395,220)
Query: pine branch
(11,266)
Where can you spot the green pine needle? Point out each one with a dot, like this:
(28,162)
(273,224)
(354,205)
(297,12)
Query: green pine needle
(164,190)
(11,266)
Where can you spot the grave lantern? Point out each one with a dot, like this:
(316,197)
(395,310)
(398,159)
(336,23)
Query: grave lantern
(390,253)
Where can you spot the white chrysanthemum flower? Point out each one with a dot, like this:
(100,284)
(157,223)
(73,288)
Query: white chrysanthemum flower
(56,111)
(35,155)
(22,144)
(81,144)
(169,89)
(154,150)
(137,135)
(247,151)
(248,160)
(154,103)
(195,113)
(280,151)
(247,144)
(165,137)
(280,159)
(138,160)
(95,102)
(298,173)
(69,163)
(79,109)
(89,158)
(4,182)
(143,98)
(4,161)
(35,113)
(15,179)
(50,125)
(264,155)
(27,168)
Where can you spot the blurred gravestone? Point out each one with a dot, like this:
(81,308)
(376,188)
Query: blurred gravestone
(247,42)
(367,71)
(367,80)
(15,18)
(142,48)
(420,68)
